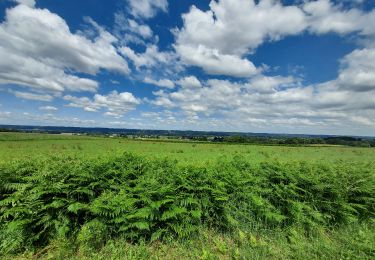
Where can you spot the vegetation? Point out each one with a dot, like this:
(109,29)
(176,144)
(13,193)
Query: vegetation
(341,140)
(200,136)
(139,207)
(34,146)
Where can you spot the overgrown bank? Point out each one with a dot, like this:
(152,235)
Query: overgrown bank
(264,210)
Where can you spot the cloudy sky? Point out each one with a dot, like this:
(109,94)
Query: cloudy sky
(291,66)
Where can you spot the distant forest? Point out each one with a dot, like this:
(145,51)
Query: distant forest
(339,140)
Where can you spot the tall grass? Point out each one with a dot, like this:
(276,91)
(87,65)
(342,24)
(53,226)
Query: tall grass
(90,202)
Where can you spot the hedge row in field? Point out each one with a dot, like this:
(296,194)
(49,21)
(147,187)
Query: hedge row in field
(91,201)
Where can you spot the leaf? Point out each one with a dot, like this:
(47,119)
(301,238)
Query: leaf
(76,207)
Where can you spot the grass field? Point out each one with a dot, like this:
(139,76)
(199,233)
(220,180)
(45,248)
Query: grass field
(22,146)
(79,197)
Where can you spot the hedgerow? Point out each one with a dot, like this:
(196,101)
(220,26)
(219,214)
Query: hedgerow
(137,199)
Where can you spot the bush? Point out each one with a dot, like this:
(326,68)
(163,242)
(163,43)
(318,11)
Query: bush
(136,199)
(92,235)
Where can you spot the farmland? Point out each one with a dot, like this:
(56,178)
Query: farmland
(98,197)
(21,146)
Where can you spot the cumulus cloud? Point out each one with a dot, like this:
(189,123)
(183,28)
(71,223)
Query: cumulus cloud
(38,51)
(243,20)
(147,8)
(358,71)
(215,63)
(275,103)
(216,95)
(206,38)
(165,83)
(116,104)
(31,73)
(266,84)
(149,58)
(323,17)
(189,82)
(162,100)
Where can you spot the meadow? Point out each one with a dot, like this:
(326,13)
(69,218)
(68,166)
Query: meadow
(79,197)
(32,146)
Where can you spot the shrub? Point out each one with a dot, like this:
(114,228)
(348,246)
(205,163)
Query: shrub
(93,201)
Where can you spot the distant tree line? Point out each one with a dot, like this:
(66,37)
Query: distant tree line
(8,130)
(341,140)
(227,138)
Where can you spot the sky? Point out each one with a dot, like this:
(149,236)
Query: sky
(291,66)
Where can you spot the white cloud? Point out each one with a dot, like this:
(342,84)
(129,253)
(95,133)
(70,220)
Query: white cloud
(128,30)
(277,101)
(324,17)
(116,104)
(147,8)
(38,50)
(235,26)
(151,57)
(219,39)
(48,108)
(358,72)
(33,96)
(264,84)
(143,30)
(291,95)
(216,40)
(162,100)
(166,83)
(28,72)
(194,108)
(189,82)
(215,96)
(215,63)
(82,102)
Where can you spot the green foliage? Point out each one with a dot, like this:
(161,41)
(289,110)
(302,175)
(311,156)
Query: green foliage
(136,199)
(34,146)
(92,235)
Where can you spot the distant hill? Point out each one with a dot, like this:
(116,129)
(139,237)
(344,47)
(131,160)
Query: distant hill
(203,136)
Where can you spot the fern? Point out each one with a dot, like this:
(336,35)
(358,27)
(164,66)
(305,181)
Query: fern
(91,201)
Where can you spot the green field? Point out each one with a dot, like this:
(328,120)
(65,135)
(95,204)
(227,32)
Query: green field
(22,146)
(80,197)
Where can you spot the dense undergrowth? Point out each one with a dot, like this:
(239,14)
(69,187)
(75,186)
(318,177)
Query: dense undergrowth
(93,205)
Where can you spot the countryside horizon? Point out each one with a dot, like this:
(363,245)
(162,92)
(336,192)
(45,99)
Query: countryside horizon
(81,129)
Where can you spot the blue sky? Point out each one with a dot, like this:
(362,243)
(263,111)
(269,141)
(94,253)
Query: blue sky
(225,65)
